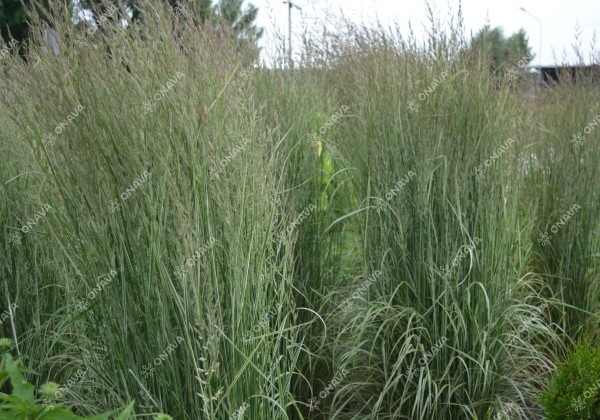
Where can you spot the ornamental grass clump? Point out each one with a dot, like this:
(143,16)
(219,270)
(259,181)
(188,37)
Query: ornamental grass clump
(416,304)
(354,237)
(107,153)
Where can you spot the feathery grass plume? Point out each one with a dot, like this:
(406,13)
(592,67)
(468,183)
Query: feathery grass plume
(161,104)
(356,237)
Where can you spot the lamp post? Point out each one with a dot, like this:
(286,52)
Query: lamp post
(540,46)
(290,5)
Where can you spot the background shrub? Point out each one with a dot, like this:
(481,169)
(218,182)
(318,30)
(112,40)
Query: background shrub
(574,391)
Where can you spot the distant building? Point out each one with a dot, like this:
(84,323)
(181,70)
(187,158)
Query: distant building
(578,75)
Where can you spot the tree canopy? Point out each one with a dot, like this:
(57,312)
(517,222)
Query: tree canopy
(13,21)
(14,17)
(503,52)
(241,20)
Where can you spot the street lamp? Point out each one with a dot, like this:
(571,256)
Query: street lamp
(540,47)
(290,5)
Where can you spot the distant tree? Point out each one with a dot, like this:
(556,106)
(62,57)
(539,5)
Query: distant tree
(504,52)
(241,21)
(13,21)
(231,12)
(15,16)
(199,8)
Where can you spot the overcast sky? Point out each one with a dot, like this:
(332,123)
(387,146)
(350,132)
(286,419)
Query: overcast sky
(559,20)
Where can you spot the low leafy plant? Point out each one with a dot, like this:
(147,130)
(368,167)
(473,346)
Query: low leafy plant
(573,392)
(21,402)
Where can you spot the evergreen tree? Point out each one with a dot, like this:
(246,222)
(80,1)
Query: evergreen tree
(13,21)
(504,52)
(230,12)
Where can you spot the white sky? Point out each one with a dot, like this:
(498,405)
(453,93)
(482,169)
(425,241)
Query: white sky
(559,20)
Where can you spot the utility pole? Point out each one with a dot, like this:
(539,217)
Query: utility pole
(540,48)
(290,5)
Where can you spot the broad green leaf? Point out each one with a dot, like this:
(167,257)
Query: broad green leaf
(21,388)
